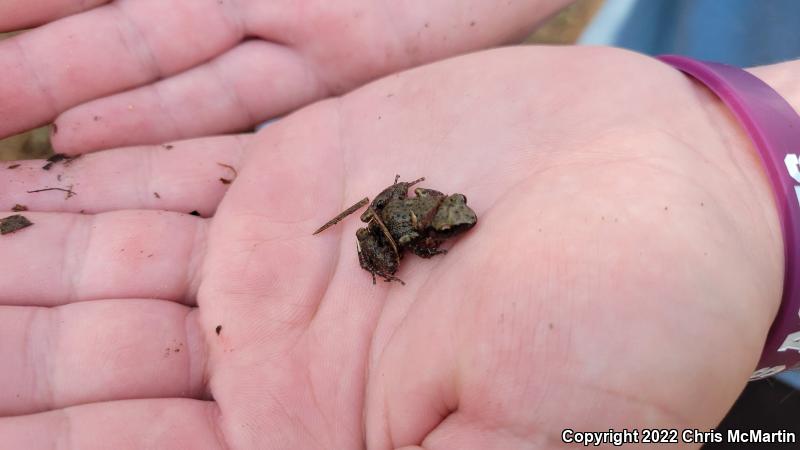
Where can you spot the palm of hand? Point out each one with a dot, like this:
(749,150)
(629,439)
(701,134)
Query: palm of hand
(509,338)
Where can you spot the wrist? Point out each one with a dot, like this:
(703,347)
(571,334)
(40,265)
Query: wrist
(773,126)
(783,78)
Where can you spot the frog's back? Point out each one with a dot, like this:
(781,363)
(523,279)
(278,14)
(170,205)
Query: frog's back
(393,192)
(396,191)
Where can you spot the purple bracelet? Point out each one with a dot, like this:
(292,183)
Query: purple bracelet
(774,128)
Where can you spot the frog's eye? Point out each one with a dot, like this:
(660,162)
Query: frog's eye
(456,199)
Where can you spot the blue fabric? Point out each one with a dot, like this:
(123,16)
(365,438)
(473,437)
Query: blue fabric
(738,32)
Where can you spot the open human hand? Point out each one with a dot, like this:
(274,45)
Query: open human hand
(626,263)
(122,72)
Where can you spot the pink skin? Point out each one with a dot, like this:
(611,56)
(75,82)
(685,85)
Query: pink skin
(152,71)
(627,251)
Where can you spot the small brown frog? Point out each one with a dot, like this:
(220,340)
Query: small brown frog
(396,222)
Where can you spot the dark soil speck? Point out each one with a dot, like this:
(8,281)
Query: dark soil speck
(14,223)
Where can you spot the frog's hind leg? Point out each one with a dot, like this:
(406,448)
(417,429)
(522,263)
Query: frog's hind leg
(363,262)
(374,217)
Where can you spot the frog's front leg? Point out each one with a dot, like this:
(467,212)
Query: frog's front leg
(428,248)
(426,253)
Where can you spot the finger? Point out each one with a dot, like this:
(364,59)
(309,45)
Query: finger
(65,258)
(247,85)
(49,69)
(19,14)
(182,176)
(121,425)
(98,351)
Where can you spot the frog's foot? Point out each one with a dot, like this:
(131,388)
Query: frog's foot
(390,278)
(426,252)
(386,277)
